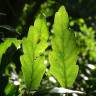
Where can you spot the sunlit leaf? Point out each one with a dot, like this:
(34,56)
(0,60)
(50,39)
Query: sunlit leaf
(63,91)
(64,51)
(34,46)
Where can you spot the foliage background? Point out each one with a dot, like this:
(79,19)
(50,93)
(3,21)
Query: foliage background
(20,14)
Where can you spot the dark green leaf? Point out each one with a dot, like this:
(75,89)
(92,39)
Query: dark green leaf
(6,44)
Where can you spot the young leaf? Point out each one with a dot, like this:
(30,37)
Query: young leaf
(32,61)
(64,51)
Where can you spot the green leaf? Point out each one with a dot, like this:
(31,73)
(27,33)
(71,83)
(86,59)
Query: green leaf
(6,44)
(32,61)
(11,90)
(64,52)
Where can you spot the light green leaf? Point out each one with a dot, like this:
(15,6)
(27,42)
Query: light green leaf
(64,51)
(6,44)
(32,61)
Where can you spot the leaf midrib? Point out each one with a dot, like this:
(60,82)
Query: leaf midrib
(65,73)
